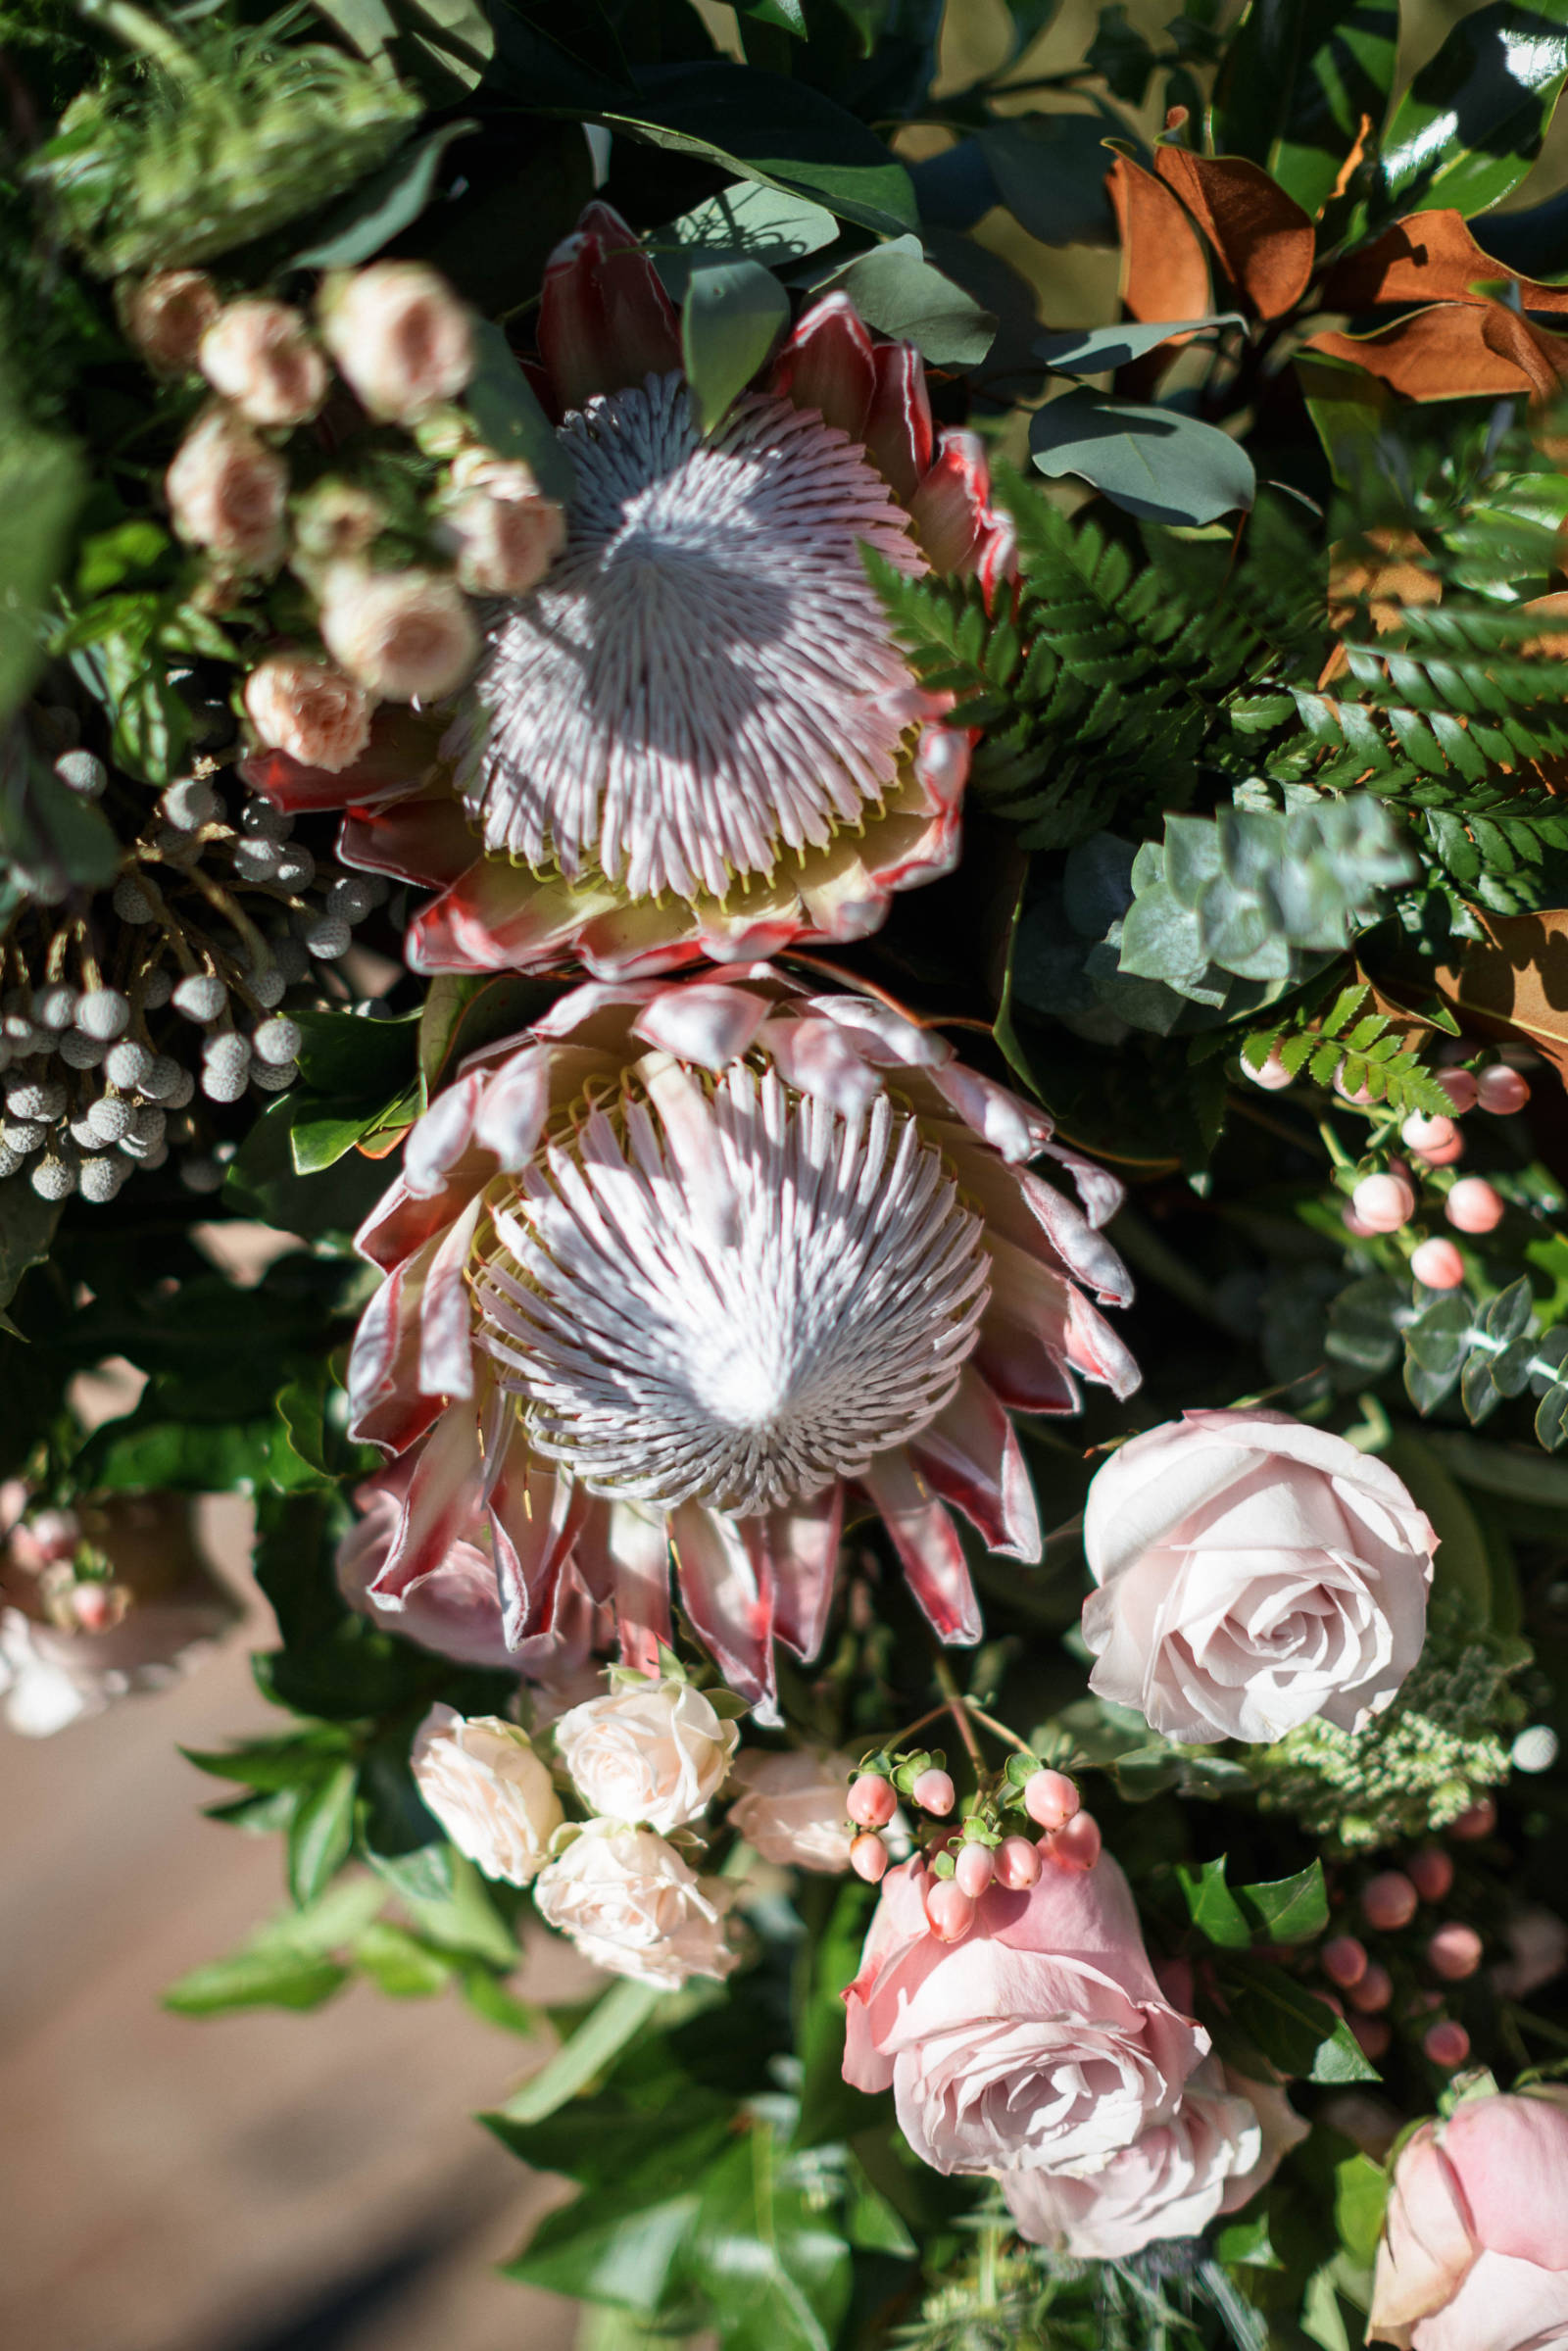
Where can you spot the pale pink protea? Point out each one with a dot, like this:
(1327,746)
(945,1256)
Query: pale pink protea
(696,737)
(687,1267)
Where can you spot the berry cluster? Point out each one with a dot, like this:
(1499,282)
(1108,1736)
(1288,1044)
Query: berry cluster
(960,1862)
(1393,1988)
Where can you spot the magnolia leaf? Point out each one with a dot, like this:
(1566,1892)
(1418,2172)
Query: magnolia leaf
(788,15)
(381,207)
(1151,461)
(896,291)
(1301,82)
(1050,172)
(1456,351)
(1471,124)
(733,314)
(1431,257)
(1097,350)
(1164,269)
(1263,238)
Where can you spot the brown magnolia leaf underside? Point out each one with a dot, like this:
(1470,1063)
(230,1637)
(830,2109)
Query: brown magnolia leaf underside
(1514,982)
(1264,240)
(1164,273)
(1430,257)
(1456,351)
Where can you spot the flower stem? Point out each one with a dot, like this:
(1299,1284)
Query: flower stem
(959,1707)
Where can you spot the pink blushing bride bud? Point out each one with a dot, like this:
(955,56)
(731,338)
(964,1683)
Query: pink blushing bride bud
(1460,1088)
(1447,2044)
(1382,1202)
(402,340)
(315,713)
(1273,1076)
(1077,1844)
(167,316)
(1502,1090)
(1389,1901)
(973,1869)
(1344,1961)
(1427,1135)
(1018,1864)
(1374,1992)
(1431,1872)
(934,1791)
(1438,1263)
(872,1802)
(1050,1800)
(260,355)
(1372,2036)
(1480,1821)
(949,1910)
(1454,1952)
(1473,1207)
(407,635)
(868,1856)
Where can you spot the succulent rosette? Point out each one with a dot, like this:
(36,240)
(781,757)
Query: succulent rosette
(696,737)
(689,1268)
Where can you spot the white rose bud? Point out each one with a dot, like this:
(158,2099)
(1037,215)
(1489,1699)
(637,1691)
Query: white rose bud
(487,1787)
(633,1905)
(402,340)
(226,490)
(790,1808)
(407,635)
(167,316)
(260,355)
(315,713)
(507,532)
(658,1755)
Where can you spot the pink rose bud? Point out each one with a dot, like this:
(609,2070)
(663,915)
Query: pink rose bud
(973,1869)
(1438,1264)
(226,491)
(1373,2036)
(1431,1872)
(1018,1864)
(1502,1090)
(1389,1901)
(872,1800)
(1344,1961)
(1447,2044)
(1460,1088)
(1445,1154)
(934,1791)
(1478,1821)
(315,713)
(1374,1992)
(1273,1076)
(1050,1800)
(1382,1202)
(1424,1134)
(402,340)
(167,316)
(1077,1844)
(1454,1951)
(1473,1207)
(407,635)
(868,1856)
(949,1910)
(260,355)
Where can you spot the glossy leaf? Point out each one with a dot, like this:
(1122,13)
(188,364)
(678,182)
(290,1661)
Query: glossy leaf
(1213,1907)
(733,315)
(1471,124)
(1153,462)
(1287,1910)
(1299,80)
(504,406)
(381,207)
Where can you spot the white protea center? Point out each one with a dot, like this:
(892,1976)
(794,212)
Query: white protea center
(706,676)
(736,1312)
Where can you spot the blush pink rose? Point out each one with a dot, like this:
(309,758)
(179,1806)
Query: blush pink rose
(227,491)
(400,336)
(1253,1571)
(165,316)
(260,355)
(1040,2041)
(790,1808)
(314,713)
(1475,2246)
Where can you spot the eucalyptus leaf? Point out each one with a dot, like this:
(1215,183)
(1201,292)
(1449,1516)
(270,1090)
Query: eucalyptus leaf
(1096,350)
(505,411)
(732,316)
(1151,461)
(896,290)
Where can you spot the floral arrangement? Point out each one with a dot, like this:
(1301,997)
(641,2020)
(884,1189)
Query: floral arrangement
(889,972)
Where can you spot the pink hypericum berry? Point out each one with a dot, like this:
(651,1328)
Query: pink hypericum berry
(1460,1088)
(1382,1202)
(1018,1864)
(1374,1992)
(1389,1901)
(1373,2036)
(1360,1096)
(1447,2044)
(1050,1800)
(1354,1225)
(1454,1951)
(868,1856)
(1502,1090)
(1424,1134)
(1431,1872)
(1478,1821)
(1473,1207)
(1438,1264)
(949,1910)
(872,1802)
(1446,1154)
(973,1869)
(1077,1844)
(1344,1961)
(1273,1077)
(934,1791)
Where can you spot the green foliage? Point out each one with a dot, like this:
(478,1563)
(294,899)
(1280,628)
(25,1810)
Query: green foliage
(1336,1035)
(1286,1910)
(1487,1350)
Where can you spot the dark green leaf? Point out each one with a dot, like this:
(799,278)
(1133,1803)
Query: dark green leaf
(381,207)
(41,486)
(1295,2032)
(1050,172)
(1287,1910)
(1213,1907)
(1153,462)
(1298,80)
(505,411)
(321,1835)
(1471,124)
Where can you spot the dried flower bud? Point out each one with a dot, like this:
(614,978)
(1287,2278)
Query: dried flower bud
(259,354)
(167,316)
(407,635)
(315,713)
(225,492)
(401,338)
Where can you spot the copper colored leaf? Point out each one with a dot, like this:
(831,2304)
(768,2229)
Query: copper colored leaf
(1164,273)
(1263,238)
(1456,351)
(1431,257)
(1514,982)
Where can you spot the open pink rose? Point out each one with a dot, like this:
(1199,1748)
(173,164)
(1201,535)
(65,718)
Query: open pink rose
(1042,2042)
(1253,1571)
(1475,2249)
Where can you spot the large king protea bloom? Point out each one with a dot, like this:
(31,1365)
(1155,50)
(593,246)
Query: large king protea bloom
(685,1268)
(696,737)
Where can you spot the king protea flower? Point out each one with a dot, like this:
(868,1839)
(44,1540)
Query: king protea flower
(688,1269)
(696,737)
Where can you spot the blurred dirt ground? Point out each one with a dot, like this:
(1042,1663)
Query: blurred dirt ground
(261,2183)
